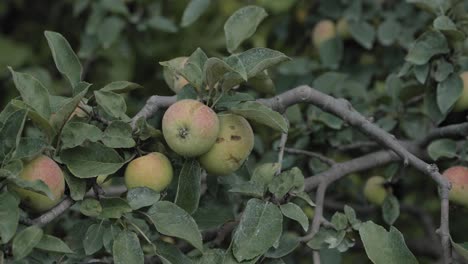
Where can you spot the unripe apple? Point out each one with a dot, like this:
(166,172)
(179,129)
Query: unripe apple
(45,169)
(342,28)
(174,80)
(458,176)
(367,59)
(462,103)
(262,83)
(153,171)
(374,190)
(323,31)
(190,127)
(234,143)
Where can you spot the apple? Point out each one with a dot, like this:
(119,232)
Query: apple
(262,83)
(47,170)
(233,145)
(323,31)
(458,176)
(190,127)
(174,80)
(374,190)
(462,103)
(153,171)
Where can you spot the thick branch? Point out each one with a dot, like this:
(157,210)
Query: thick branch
(153,104)
(50,215)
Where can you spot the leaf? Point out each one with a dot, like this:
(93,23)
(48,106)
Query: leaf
(249,188)
(421,72)
(215,69)
(162,23)
(229,100)
(25,241)
(213,215)
(111,103)
(141,197)
(30,147)
(259,229)
(331,52)
(10,133)
(291,180)
(294,212)
(53,244)
(118,135)
(61,117)
(442,148)
(36,186)
(127,249)
(430,43)
(261,114)
(114,208)
(32,92)
(90,207)
(110,234)
(92,241)
(170,254)
(448,92)
(76,185)
(92,160)
(65,59)
(192,69)
(388,32)
(264,173)
(9,213)
(188,188)
(171,220)
(193,11)
(256,60)
(121,87)
(35,117)
(76,133)
(242,25)
(390,209)
(385,247)
(287,244)
(214,255)
(363,33)
(109,30)
(339,220)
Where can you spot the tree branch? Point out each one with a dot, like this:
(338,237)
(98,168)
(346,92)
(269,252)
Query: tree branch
(311,154)
(153,104)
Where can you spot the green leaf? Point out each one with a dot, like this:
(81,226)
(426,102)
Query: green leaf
(110,234)
(385,247)
(326,238)
(53,244)
(242,25)
(32,92)
(390,209)
(443,70)
(229,100)
(111,103)
(114,208)
(65,59)
(61,117)
(431,108)
(109,30)
(118,135)
(288,243)
(260,113)
(352,219)
(212,215)
(192,69)
(305,197)
(259,229)
(214,255)
(10,133)
(331,52)
(249,188)
(141,197)
(76,133)
(187,92)
(30,147)
(256,60)
(363,33)
(188,188)
(430,43)
(448,92)
(442,148)
(92,242)
(170,254)
(421,72)
(162,23)
(291,180)
(215,69)
(121,87)
(171,220)
(115,6)
(388,32)
(25,241)
(294,212)
(36,186)
(264,173)
(339,220)
(9,213)
(35,117)
(92,160)
(76,185)
(90,207)
(193,11)
(127,249)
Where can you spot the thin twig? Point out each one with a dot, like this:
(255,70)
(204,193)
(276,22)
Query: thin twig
(316,155)
(282,145)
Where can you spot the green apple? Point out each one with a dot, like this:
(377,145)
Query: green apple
(458,176)
(374,190)
(323,31)
(153,171)
(233,145)
(462,103)
(190,127)
(47,170)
